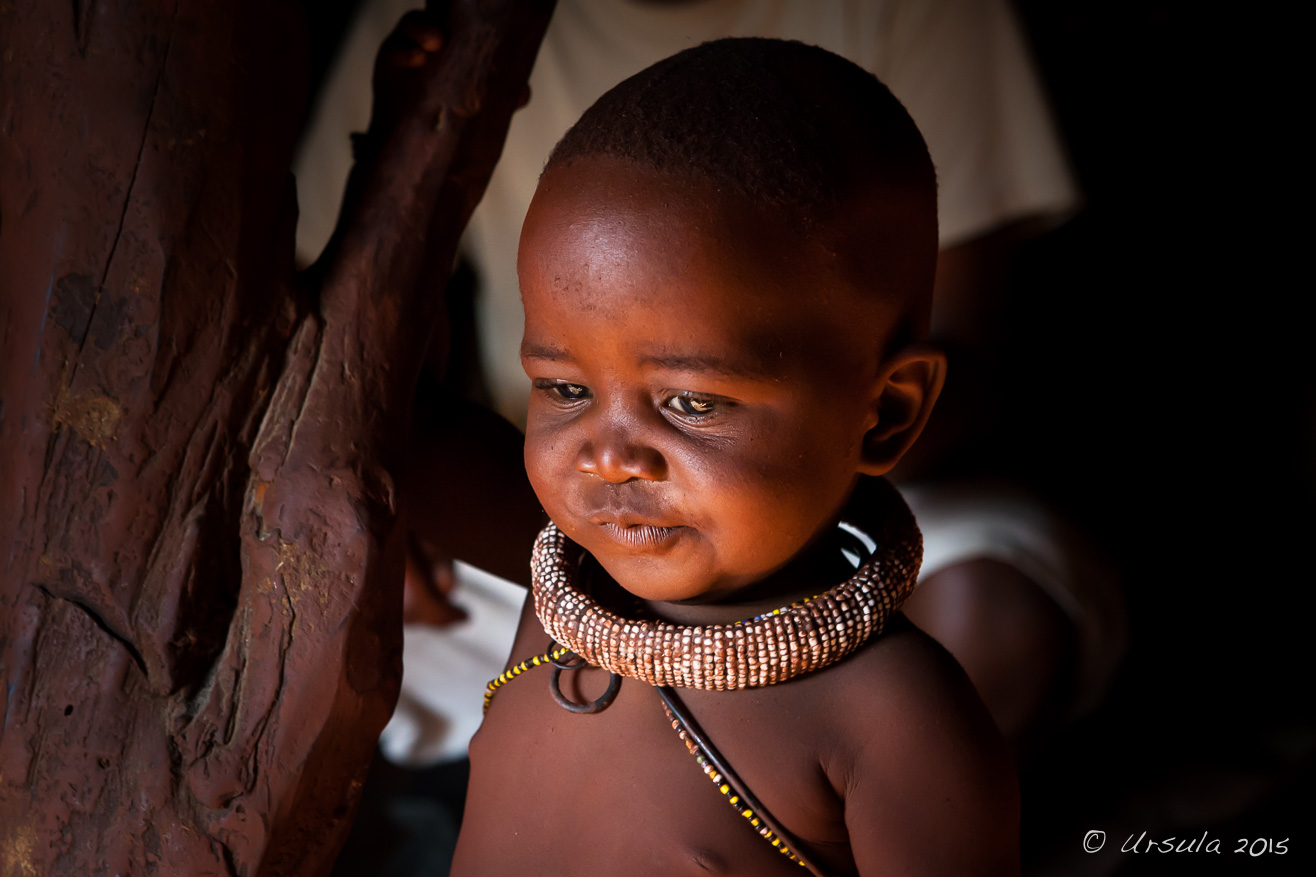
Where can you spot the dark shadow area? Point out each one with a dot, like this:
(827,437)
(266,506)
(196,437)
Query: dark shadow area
(1170,413)
(408,821)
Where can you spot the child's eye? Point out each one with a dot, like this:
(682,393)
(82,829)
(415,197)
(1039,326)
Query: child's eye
(691,406)
(564,390)
(571,391)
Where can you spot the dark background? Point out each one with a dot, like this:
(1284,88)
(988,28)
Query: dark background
(1177,426)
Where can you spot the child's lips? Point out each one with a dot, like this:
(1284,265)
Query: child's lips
(640,537)
(637,527)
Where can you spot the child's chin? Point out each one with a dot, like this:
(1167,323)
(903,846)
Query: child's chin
(658,579)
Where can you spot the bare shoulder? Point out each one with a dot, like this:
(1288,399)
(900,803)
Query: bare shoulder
(928,784)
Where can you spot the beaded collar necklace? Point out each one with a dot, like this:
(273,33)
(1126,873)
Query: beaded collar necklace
(763,650)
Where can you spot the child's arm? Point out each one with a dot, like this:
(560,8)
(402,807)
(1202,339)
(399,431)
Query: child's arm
(929,788)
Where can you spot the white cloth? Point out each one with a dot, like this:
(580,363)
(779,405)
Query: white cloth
(961,68)
(445,670)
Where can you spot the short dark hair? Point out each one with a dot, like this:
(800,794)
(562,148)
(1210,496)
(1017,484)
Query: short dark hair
(784,124)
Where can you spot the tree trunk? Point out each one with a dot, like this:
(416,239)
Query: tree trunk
(200,595)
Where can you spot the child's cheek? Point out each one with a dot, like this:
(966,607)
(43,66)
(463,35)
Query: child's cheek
(543,465)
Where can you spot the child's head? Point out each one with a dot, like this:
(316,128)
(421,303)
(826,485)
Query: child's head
(725,271)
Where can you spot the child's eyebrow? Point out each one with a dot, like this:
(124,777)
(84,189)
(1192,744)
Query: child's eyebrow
(544,351)
(753,371)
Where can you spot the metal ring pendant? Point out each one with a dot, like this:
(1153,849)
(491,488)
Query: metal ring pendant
(554,687)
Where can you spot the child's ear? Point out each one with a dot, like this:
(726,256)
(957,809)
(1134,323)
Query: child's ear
(903,398)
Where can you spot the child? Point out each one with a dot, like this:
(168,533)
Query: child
(725,271)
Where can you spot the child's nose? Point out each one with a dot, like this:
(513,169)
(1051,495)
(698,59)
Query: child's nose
(616,456)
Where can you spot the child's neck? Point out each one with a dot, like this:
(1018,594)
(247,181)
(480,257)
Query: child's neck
(815,570)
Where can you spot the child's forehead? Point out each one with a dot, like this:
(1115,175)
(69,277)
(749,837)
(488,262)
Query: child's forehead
(619,264)
(603,231)
(639,223)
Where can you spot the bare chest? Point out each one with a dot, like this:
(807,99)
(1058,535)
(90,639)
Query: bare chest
(617,791)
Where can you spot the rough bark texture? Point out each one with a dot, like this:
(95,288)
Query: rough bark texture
(199,607)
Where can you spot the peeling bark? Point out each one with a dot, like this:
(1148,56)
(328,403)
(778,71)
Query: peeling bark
(199,594)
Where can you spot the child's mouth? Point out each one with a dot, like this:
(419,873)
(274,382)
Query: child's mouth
(642,537)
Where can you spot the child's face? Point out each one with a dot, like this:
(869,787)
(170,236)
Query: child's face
(701,381)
